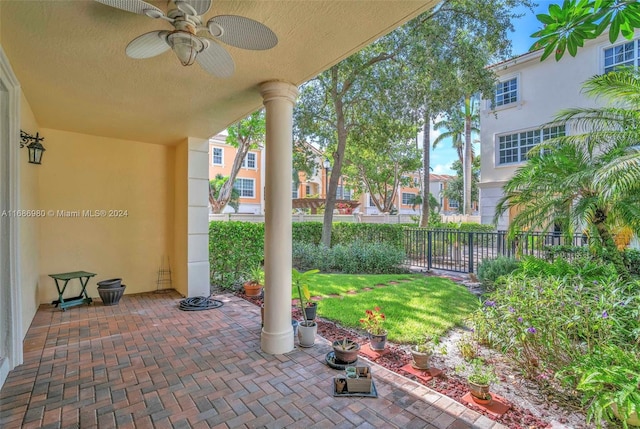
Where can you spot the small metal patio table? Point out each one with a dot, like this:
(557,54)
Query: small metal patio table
(63,279)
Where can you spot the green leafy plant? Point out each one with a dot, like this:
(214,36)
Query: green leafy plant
(300,282)
(467,347)
(356,257)
(373,321)
(346,344)
(256,275)
(609,381)
(490,270)
(481,373)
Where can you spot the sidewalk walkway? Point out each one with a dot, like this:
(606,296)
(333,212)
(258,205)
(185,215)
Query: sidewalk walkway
(146,364)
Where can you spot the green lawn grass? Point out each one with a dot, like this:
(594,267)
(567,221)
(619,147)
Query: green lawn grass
(415,305)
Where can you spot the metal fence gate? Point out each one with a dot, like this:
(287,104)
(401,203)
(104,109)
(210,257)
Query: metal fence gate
(453,250)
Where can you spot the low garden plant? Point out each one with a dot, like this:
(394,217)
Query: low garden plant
(490,270)
(357,257)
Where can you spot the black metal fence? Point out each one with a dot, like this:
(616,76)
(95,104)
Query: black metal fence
(453,250)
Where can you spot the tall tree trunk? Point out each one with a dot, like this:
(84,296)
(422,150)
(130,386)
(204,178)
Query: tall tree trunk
(468,155)
(338,155)
(426,161)
(218,204)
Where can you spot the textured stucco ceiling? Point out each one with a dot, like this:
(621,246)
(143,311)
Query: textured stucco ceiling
(69,58)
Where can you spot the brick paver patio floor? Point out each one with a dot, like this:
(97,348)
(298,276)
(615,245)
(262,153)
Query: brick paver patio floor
(146,364)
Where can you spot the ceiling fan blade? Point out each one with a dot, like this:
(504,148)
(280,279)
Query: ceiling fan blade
(216,60)
(135,6)
(200,6)
(242,32)
(148,45)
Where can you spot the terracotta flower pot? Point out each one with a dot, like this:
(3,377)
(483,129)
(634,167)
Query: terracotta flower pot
(252,289)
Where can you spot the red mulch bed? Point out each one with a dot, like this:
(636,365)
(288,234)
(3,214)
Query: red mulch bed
(450,385)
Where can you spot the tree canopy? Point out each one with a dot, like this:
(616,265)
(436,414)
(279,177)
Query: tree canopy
(567,26)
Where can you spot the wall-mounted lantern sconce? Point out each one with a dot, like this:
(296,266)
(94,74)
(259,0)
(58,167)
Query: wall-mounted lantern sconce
(33,144)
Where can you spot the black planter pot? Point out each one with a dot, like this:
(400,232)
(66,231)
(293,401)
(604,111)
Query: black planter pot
(111,283)
(310,312)
(111,295)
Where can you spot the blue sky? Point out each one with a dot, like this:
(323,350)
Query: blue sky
(444,154)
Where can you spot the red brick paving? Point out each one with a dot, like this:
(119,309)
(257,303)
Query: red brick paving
(146,364)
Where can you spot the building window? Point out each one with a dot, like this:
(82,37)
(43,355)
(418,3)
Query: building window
(245,187)
(453,204)
(307,190)
(249,161)
(294,190)
(507,92)
(408,199)
(625,54)
(513,148)
(371,203)
(343,193)
(216,156)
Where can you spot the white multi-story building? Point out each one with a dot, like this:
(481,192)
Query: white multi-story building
(528,96)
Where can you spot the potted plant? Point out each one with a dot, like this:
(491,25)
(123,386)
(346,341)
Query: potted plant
(310,310)
(255,280)
(307,329)
(421,354)
(373,324)
(346,351)
(479,381)
(609,381)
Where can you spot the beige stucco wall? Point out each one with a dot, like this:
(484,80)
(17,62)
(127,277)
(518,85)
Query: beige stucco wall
(29,226)
(126,183)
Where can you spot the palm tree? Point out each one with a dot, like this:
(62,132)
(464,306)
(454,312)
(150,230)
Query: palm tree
(590,179)
(460,125)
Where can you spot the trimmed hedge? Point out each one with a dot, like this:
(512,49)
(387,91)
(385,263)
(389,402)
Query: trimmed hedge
(346,233)
(236,247)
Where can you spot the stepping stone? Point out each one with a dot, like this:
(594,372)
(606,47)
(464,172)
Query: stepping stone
(497,407)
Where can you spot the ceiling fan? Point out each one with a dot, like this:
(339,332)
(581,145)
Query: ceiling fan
(192,40)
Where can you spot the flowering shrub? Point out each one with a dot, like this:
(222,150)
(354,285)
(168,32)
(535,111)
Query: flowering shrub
(545,323)
(373,321)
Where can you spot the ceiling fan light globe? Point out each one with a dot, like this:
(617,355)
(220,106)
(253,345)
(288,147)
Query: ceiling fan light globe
(185,45)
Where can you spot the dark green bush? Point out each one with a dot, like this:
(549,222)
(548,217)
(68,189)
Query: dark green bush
(234,247)
(632,261)
(489,270)
(584,268)
(307,232)
(345,233)
(354,258)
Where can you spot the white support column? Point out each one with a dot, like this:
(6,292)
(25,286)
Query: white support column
(277,333)
(198,218)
